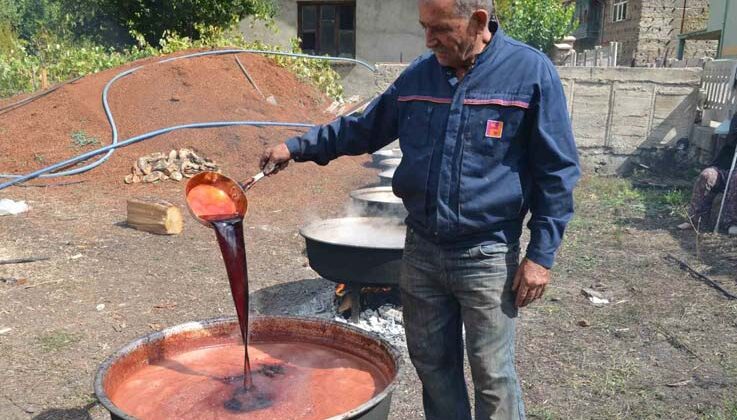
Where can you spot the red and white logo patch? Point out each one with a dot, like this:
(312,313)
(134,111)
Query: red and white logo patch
(494,129)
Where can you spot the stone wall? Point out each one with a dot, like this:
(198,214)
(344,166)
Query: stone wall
(621,116)
(625,32)
(362,82)
(649,34)
(660,24)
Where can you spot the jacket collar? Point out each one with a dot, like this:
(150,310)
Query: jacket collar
(498,39)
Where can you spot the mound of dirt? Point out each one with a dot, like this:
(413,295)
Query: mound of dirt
(71,121)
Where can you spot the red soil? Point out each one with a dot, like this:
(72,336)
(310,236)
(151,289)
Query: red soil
(200,89)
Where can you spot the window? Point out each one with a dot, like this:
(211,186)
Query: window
(619,13)
(328,28)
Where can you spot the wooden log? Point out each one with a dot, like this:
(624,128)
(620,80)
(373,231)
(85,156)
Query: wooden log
(44,78)
(155,216)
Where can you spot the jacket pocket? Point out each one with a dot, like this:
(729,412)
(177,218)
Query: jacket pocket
(490,190)
(416,141)
(490,130)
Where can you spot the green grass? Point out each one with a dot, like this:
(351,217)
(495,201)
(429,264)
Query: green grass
(542,414)
(624,199)
(57,340)
(727,412)
(80,139)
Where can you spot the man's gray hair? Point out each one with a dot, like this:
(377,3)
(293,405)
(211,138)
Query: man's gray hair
(465,8)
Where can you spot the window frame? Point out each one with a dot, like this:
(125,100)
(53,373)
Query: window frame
(620,10)
(337,23)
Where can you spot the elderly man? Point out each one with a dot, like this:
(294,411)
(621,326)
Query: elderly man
(486,138)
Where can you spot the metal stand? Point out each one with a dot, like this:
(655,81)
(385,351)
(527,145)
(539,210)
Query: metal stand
(355,293)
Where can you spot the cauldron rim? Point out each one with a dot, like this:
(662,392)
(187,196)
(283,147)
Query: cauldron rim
(104,399)
(393,152)
(304,231)
(362,193)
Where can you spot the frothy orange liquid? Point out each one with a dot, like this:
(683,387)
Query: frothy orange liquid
(207,200)
(291,381)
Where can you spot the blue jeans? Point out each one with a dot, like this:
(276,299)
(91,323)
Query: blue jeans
(443,291)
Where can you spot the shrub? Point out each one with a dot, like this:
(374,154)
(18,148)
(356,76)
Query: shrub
(64,60)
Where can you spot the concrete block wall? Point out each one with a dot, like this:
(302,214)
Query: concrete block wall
(703,145)
(625,116)
(621,116)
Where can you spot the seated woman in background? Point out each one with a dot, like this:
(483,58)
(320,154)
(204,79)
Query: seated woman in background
(711,182)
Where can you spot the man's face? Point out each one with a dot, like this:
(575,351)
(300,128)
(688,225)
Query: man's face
(446,34)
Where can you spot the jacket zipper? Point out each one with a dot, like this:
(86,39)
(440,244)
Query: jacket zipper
(461,135)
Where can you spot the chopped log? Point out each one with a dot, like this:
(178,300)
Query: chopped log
(155,216)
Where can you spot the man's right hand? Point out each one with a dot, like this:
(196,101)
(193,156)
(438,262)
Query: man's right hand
(274,159)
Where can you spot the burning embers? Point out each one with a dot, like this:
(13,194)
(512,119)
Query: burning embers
(350,300)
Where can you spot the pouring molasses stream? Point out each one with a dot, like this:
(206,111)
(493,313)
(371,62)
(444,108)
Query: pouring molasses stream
(219,202)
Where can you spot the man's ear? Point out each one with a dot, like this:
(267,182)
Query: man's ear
(480,20)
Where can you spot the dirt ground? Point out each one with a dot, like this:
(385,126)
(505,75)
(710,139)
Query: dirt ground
(665,347)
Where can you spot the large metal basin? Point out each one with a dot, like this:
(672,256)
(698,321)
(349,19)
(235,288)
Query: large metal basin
(379,201)
(390,163)
(155,347)
(364,250)
(383,154)
(385,177)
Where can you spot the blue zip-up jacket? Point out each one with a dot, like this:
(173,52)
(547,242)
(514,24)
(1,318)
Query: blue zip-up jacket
(477,154)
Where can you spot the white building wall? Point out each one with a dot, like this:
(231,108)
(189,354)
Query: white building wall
(386,31)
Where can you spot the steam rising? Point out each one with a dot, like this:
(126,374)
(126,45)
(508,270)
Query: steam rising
(369,232)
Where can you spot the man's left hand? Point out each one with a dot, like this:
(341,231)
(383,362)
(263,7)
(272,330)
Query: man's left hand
(530,282)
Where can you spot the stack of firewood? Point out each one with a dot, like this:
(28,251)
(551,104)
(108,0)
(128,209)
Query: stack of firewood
(178,164)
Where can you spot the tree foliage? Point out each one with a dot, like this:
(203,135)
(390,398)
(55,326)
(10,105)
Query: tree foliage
(539,23)
(152,18)
(110,22)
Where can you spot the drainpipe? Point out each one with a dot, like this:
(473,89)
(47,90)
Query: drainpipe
(724,28)
(683,17)
(681,41)
(602,21)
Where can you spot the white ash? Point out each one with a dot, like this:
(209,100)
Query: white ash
(386,322)
(320,305)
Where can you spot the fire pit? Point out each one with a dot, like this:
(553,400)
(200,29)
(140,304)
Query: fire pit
(161,374)
(379,201)
(357,251)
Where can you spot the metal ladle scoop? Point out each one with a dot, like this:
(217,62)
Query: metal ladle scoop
(213,196)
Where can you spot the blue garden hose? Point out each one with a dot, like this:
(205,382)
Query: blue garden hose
(108,150)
